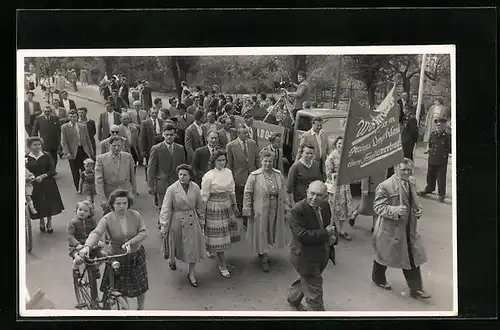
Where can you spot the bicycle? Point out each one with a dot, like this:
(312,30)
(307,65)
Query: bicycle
(85,285)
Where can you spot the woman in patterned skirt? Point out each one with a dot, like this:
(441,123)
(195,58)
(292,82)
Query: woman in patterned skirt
(127,231)
(217,190)
(265,204)
(339,197)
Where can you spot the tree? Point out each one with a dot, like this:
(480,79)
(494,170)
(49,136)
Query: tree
(407,66)
(299,64)
(371,70)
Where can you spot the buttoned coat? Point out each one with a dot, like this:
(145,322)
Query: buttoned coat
(109,177)
(389,235)
(147,135)
(103,125)
(69,140)
(162,167)
(309,248)
(256,205)
(183,215)
(192,141)
(50,131)
(439,148)
(238,164)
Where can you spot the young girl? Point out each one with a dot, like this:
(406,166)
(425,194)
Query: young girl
(79,229)
(87,182)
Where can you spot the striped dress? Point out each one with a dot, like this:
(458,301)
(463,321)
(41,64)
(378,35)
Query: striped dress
(221,228)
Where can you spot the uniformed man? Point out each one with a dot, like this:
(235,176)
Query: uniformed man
(438,149)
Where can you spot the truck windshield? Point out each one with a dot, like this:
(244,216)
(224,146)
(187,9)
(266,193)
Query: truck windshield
(331,125)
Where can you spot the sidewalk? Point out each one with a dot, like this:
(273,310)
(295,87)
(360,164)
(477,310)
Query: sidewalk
(91,93)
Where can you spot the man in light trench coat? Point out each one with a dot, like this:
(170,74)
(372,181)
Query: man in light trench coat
(395,239)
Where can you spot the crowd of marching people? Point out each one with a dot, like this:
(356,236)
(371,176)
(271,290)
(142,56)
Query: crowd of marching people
(205,175)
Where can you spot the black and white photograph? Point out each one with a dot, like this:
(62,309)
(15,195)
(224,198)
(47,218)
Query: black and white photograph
(270,181)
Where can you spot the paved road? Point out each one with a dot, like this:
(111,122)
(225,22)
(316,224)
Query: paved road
(347,285)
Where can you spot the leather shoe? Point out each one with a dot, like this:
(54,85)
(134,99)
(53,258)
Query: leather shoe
(298,307)
(385,285)
(423,193)
(420,294)
(441,199)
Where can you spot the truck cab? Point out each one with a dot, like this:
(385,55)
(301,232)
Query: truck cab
(333,124)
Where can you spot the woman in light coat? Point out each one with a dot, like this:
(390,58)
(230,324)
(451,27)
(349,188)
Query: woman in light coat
(182,218)
(265,204)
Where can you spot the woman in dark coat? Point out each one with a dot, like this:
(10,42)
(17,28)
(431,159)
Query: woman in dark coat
(91,128)
(45,196)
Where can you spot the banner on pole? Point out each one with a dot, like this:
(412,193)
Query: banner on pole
(372,140)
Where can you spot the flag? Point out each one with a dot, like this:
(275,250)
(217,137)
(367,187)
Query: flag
(372,140)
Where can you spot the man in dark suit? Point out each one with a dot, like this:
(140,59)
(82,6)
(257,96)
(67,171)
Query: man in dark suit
(163,161)
(242,159)
(106,120)
(252,131)
(49,127)
(227,133)
(314,237)
(150,134)
(202,155)
(66,103)
(183,121)
(76,144)
(438,149)
(194,137)
(409,132)
(32,109)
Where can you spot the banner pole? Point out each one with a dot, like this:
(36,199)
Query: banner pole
(420,89)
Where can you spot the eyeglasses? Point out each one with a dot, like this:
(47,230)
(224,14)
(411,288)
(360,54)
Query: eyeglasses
(114,132)
(168,134)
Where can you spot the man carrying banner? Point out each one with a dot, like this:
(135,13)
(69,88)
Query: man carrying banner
(395,239)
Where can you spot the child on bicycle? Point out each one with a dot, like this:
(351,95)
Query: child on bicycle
(79,229)
(87,180)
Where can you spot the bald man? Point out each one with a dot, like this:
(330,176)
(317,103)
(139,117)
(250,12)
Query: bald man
(314,237)
(137,114)
(131,133)
(105,146)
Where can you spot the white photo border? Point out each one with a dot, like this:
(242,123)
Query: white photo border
(226,51)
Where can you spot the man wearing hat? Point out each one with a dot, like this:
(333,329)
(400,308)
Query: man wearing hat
(32,109)
(438,149)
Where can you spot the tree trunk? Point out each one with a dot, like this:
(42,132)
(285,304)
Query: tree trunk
(406,87)
(175,73)
(339,80)
(108,66)
(299,64)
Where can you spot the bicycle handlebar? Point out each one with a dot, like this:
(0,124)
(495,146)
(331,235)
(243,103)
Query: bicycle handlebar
(94,260)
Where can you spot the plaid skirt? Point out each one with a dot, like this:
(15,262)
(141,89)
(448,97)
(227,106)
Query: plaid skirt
(221,228)
(132,277)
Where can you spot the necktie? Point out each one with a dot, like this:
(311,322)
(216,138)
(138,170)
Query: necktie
(154,126)
(138,117)
(319,217)
(245,150)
